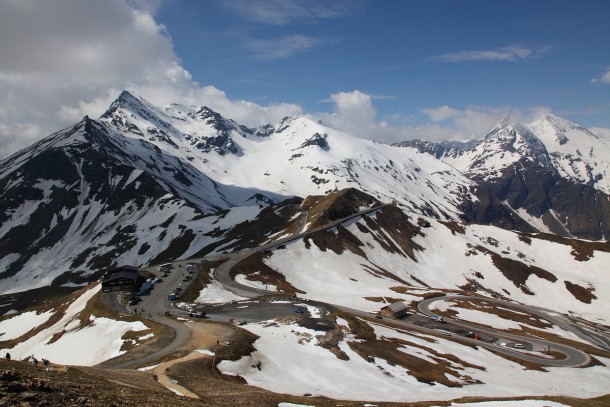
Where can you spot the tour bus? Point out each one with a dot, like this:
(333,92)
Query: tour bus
(165,267)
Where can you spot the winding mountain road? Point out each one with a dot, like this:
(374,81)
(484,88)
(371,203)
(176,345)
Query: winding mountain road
(594,338)
(156,306)
(573,357)
(222,272)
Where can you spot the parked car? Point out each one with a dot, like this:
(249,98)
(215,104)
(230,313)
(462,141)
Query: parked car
(519,346)
(134,300)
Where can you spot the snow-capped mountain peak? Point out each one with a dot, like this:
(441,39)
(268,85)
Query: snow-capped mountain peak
(577,153)
(505,145)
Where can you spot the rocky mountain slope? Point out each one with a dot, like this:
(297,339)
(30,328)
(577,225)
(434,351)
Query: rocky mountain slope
(144,184)
(392,255)
(552,173)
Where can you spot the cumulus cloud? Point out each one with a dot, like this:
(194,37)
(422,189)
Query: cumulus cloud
(440,113)
(67,58)
(508,53)
(603,79)
(355,114)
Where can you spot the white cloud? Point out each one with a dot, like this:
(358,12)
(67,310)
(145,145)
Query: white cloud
(440,113)
(284,47)
(355,114)
(603,79)
(59,63)
(508,53)
(603,132)
(283,12)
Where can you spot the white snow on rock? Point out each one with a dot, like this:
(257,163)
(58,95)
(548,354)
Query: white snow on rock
(511,403)
(21,324)
(345,279)
(86,346)
(285,360)
(215,293)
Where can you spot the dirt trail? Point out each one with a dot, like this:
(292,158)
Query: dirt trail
(204,336)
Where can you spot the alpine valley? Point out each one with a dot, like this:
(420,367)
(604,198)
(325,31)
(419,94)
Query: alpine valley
(343,226)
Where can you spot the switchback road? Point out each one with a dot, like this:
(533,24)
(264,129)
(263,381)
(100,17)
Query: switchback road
(573,357)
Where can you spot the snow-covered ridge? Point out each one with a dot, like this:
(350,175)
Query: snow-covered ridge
(296,156)
(576,152)
(551,142)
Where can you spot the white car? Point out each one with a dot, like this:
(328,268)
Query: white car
(519,346)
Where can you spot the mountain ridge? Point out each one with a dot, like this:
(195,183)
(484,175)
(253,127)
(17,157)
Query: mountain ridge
(145,183)
(538,172)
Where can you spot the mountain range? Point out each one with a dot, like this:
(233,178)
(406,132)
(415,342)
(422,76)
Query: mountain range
(144,184)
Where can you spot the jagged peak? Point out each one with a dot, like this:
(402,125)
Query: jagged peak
(132,103)
(205,112)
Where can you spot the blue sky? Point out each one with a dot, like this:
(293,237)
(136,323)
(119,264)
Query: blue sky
(408,55)
(383,69)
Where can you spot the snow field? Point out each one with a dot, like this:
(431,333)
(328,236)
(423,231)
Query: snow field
(343,279)
(511,403)
(85,346)
(215,293)
(21,324)
(290,361)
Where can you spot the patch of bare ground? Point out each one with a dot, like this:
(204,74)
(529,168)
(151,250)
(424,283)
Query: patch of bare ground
(408,289)
(454,227)
(255,269)
(393,230)
(516,271)
(22,384)
(337,242)
(381,273)
(474,287)
(420,282)
(582,294)
(432,295)
(331,339)
(394,352)
(322,210)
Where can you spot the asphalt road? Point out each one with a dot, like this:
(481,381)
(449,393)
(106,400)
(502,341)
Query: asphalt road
(153,307)
(222,272)
(156,304)
(596,339)
(573,357)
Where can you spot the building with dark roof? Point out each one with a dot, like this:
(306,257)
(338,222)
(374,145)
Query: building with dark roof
(395,310)
(120,278)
